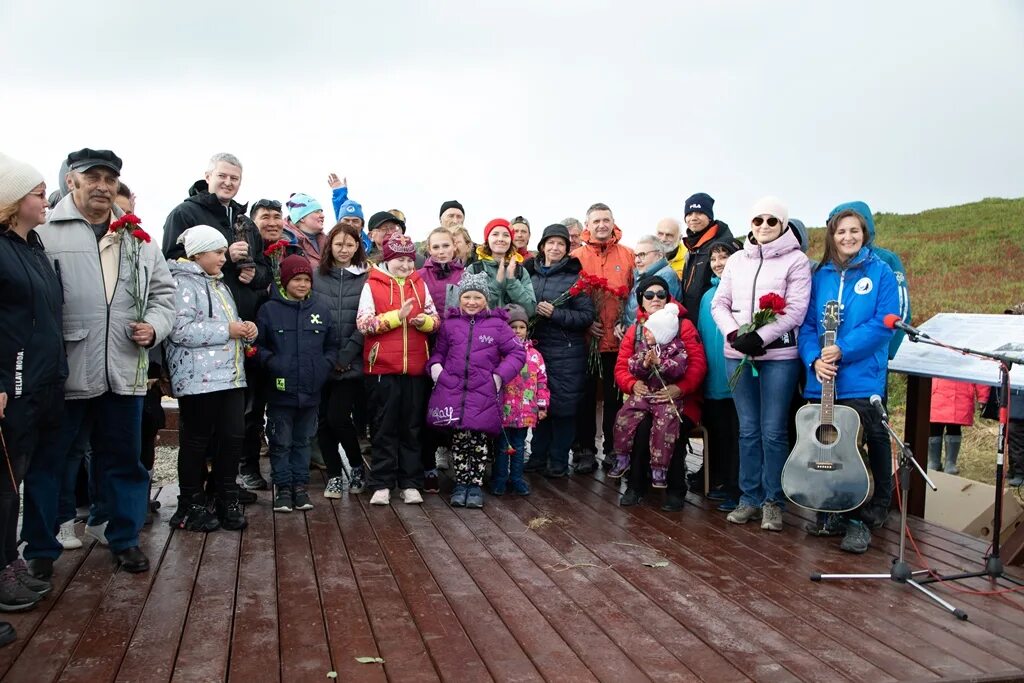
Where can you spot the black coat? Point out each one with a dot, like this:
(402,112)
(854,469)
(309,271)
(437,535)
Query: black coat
(560,338)
(31,328)
(339,290)
(697,272)
(203,208)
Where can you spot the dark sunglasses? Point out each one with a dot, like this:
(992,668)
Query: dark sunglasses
(271,204)
(772,221)
(650,296)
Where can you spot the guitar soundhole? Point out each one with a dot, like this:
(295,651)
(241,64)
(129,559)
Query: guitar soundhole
(827,434)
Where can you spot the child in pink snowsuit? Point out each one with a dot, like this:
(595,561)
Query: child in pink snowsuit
(660,360)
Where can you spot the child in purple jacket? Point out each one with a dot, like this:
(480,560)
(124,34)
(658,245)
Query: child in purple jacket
(475,355)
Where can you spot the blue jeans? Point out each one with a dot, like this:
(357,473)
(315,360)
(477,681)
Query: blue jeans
(762,405)
(290,432)
(113,423)
(514,437)
(552,438)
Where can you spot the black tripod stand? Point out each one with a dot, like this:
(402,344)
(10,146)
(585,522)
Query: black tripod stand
(900,572)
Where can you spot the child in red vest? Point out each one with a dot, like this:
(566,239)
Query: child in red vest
(395,316)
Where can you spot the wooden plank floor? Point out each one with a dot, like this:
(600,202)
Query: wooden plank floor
(556,586)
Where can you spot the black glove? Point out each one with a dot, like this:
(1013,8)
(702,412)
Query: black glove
(749,343)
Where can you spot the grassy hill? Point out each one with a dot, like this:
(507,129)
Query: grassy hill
(967,259)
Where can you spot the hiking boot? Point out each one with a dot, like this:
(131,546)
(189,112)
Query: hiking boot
(14,596)
(335,487)
(743,514)
(253,482)
(431,484)
(412,497)
(621,466)
(357,481)
(66,536)
(97,532)
(674,502)
(458,498)
(283,499)
(474,497)
(659,477)
(230,514)
(27,580)
(629,498)
(857,538)
(520,487)
(198,518)
(771,517)
(826,524)
(300,499)
(381,497)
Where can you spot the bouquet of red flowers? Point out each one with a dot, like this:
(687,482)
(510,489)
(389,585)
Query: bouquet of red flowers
(770,307)
(276,253)
(131,238)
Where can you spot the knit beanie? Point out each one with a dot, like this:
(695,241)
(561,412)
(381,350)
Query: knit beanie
(516,312)
(451,204)
(473,282)
(497,222)
(294,265)
(700,203)
(301,205)
(664,324)
(200,238)
(396,246)
(772,206)
(349,209)
(17,179)
(646,283)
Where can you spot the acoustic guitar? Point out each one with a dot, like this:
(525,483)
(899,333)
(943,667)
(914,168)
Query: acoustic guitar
(825,472)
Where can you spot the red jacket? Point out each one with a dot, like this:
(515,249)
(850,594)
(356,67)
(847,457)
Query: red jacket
(393,346)
(696,364)
(613,261)
(953,402)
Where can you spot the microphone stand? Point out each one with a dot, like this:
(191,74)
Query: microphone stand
(900,571)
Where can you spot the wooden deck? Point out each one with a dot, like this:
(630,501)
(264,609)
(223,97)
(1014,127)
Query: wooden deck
(556,586)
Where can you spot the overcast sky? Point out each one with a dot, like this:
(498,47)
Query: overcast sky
(536,107)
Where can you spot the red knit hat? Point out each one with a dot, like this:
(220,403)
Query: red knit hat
(294,265)
(398,245)
(496,223)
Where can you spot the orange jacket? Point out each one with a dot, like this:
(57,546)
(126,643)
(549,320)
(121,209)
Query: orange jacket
(613,261)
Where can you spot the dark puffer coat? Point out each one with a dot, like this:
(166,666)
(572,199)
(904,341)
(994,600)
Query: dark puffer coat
(697,271)
(560,338)
(339,291)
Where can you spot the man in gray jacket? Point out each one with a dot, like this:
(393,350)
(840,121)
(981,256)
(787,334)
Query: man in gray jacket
(106,340)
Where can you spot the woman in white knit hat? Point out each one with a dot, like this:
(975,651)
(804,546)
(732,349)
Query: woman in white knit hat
(32,365)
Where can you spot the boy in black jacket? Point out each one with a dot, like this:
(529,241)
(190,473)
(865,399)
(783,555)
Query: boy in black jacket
(297,346)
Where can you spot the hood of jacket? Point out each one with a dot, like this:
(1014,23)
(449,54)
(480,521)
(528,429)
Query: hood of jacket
(600,246)
(691,240)
(865,212)
(210,202)
(456,312)
(569,264)
(786,242)
(183,267)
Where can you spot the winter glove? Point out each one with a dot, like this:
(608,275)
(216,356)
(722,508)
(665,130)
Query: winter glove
(435,372)
(749,343)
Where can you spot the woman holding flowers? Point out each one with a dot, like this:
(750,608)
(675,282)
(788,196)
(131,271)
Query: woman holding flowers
(564,312)
(761,301)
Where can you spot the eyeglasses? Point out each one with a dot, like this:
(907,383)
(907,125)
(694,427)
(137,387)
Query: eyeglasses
(772,221)
(641,255)
(660,294)
(271,204)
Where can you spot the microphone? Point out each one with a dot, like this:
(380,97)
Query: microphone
(894,322)
(876,402)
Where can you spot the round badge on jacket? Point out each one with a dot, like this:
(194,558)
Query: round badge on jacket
(864,285)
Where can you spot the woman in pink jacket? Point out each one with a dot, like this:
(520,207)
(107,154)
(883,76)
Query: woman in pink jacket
(952,408)
(771,263)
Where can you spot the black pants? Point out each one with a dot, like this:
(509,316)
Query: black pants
(586,417)
(25,418)
(397,408)
(937,428)
(1015,456)
(879,447)
(723,444)
(336,425)
(212,422)
(255,414)
(153,420)
(639,478)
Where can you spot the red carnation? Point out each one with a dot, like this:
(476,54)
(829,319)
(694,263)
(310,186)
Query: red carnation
(773,302)
(250,351)
(125,220)
(141,235)
(276,246)
(622,291)
(576,289)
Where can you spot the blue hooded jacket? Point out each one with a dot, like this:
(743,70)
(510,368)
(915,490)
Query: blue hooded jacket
(660,269)
(339,199)
(716,381)
(867,292)
(891,259)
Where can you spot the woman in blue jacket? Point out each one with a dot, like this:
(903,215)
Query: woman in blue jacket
(867,291)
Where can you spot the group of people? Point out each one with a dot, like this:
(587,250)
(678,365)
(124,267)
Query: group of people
(447,353)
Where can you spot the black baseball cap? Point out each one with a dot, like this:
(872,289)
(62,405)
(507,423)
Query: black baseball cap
(86,158)
(381,217)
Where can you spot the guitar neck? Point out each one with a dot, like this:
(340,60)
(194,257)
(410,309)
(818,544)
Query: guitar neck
(828,387)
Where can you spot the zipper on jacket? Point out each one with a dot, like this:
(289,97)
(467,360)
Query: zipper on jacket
(753,288)
(465,376)
(113,295)
(237,343)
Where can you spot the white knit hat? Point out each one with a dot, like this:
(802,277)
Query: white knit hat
(664,324)
(200,238)
(772,206)
(17,179)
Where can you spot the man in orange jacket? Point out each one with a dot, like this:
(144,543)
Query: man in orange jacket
(602,256)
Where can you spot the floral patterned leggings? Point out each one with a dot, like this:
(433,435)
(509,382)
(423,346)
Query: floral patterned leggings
(664,430)
(469,456)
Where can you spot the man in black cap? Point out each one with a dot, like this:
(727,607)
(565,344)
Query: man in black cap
(106,342)
(702,231)
(381,225)
(452,214)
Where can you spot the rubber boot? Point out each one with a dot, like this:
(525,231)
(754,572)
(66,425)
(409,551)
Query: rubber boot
(935,452)
(952,453)
(516,479)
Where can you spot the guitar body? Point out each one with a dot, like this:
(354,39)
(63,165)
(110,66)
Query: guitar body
(825,472)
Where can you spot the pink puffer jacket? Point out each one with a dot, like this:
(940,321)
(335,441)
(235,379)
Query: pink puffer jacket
(953,402)
(526,395)
(777,267)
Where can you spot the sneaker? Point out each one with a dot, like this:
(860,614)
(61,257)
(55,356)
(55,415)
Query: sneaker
(230,515)
(743,514)
(175,521)
(621,466)
(771,517)
(520,487)
(718,493)
(874,515)
(381,497)
(474,497)
(728,505)
(431,484)
(253,482)
(458,498)
(14,596)
(300,499)
(826,524)
(659,477)
(411,497)
(27,580)
(442,459)
(335,487)
(857,538)
(97,532)
(283,499)
(356,482)
(629,498)
(66,536)
(198,518)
